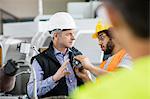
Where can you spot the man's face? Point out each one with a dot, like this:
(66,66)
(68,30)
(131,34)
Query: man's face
(105,43)
(66,38)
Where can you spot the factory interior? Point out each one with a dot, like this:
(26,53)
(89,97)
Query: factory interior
(99,58)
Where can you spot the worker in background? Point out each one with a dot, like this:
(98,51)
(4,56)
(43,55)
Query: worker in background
(7,76)
(52,78)
(7,73)
(130,20)
(110,45)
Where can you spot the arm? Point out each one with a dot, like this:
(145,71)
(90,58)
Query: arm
(87,65)
(96,70)
(126,62)
(43,86)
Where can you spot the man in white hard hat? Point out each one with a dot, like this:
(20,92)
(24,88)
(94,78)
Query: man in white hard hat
(54,68)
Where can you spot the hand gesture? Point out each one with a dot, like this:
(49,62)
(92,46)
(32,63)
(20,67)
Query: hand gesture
(61,72)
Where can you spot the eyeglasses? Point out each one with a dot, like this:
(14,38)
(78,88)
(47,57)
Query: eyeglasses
(101,36)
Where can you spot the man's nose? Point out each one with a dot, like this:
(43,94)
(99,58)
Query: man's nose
(72,37)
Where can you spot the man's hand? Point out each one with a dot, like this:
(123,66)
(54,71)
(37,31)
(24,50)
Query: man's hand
(82,74)
(84,61)
(87,65)
(61,72)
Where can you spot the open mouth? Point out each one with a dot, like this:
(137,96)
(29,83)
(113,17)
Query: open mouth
(103,47)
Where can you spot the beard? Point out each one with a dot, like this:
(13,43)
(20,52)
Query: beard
(109,47)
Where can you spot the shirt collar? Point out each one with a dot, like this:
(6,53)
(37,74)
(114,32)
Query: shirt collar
(56,52)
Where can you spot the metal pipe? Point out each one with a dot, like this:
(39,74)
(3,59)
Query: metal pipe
(33,74)
(40,7)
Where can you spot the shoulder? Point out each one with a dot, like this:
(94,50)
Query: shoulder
(39,56)
(126,62)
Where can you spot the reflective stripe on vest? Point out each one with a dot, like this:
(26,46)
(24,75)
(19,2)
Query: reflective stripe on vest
(115,61)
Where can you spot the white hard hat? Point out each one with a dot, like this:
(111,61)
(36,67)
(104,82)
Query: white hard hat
(61,20)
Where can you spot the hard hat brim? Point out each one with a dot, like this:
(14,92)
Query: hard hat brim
(95,35)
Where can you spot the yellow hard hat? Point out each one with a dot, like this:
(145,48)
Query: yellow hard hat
(100,27)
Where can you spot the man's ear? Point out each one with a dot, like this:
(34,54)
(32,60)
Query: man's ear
(55,35)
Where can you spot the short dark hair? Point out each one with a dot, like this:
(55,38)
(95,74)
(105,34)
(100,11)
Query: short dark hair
(135,13)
